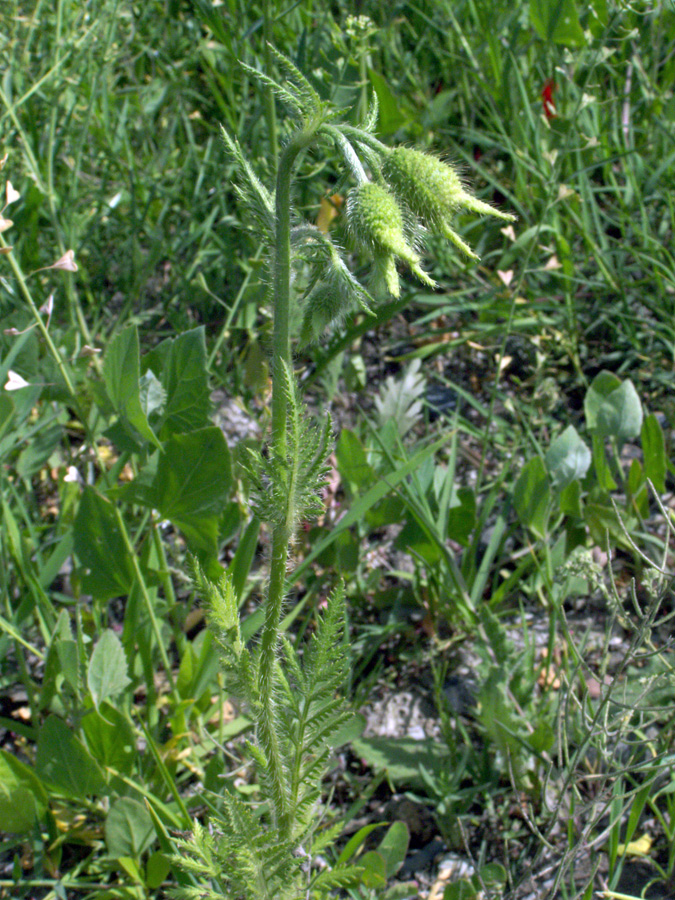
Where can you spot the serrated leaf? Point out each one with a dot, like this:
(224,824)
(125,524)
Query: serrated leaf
(63,762)
(128,829)
(100,548)
(181,365)
(23,799)
(107,673)
(194,475)
(121,375)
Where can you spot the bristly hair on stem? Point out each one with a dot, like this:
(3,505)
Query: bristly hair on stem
(287,489)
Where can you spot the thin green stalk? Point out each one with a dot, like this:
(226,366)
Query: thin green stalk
(281,534)
(348,153)
(146,598)
(167,584)
(42,328)
(270,109)
(282,285)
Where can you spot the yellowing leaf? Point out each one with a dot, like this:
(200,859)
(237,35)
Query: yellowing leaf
(641,847)
(330,206)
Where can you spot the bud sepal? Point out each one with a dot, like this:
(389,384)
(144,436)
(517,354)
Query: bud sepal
(377,223)
(433,191)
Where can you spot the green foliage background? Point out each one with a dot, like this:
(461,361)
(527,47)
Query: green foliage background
(110,111)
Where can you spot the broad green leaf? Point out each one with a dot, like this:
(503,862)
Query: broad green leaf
(602,386)
(542,738)
(570,500)
(62,663)
(568,458)
(394,847)
(603,472)
(100,548)
(654,452)
(461,516)
(602,518)
(389,511)
(390,117)
(620,416)
(63,762)
(201,534)
(347,552)
(107,674)
(636,489)
(23,799)
(110,738)
(131,868)
(357,841)
(460,890)
(128,829)
(181,365)
(38,451)
(414,538)
(121,375)
(613,408)
(157,870)
(598,17)
(194,475)
(374,874)
(352,463)
(557,21)
(401,758)
(532,497)
(492,875)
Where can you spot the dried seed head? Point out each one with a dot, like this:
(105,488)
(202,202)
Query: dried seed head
(376,221)
(433,192)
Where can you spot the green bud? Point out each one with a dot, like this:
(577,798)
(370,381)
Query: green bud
(433,192)
(377,223)
(332,297)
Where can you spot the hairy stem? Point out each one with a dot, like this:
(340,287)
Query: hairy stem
(281,534)
(270,110)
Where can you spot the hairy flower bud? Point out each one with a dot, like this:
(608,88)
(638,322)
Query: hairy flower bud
(433,191)
(333,296)
(377,223)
